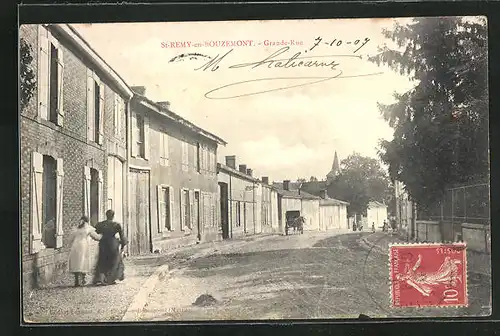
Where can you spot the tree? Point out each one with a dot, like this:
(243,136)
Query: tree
(313,179)
(301,180)
(441,125)
(360,180)
(27,77)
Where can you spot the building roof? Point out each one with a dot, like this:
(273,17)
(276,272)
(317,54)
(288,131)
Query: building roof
(333,201)
(163,111)
(235,172)
(98,63)
(296,194)
(292,185)
(376,204)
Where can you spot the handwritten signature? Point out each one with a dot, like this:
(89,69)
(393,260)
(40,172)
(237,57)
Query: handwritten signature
(277,60)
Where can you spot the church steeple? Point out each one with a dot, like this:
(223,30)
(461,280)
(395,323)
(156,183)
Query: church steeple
(335,169)
(336,166)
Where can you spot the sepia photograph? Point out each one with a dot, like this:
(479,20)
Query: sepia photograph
(312,169)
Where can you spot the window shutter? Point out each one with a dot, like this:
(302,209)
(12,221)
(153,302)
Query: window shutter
(100,194)
(86,191)
(183,210)
(36,202)
(202,157)
(59,202)
(171,208)
(101,114)
(90,105)
(43,72)
(161,208)
(134,134)
(165,148)
(60,78)
(162,149)
(191,208)
(116,114)
(146,138)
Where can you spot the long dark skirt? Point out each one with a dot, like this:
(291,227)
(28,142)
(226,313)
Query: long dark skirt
(109,263)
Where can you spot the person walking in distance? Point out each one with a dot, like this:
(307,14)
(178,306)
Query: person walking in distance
(79,257)
(110,263)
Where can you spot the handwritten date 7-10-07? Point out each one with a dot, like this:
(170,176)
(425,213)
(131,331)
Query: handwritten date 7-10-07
(338,43)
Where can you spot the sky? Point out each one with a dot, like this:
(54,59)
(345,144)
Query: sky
(284,134)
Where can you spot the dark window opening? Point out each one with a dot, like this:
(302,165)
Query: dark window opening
(94,196)
(54,85)
(139,136)
(165,209)
(187,219)
(49,192)
(198,153)
(238,214)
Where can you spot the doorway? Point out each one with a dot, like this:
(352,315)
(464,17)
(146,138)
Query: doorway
(223,190)
(139,230)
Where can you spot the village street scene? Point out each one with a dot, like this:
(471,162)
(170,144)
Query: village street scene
(179,179)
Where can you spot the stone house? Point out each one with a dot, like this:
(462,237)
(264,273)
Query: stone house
(172,178)
(295,202)
(269,206)
(333,214)
(239,194)
(72,127)
(376,213)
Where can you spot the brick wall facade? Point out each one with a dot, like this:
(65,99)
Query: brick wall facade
(68,142)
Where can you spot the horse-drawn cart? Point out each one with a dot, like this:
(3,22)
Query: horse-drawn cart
(297,223)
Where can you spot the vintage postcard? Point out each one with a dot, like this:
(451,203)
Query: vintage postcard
(255,170)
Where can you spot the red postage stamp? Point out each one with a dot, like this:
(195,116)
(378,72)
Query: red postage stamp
(428,275)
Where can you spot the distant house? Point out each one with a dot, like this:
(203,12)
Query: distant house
(333,214)
(239,199)
(376,213)
(295,202)
(269,207)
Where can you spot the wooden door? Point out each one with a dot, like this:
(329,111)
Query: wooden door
(139,229)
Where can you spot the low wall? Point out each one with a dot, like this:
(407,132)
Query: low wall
(428,231)
(477,237)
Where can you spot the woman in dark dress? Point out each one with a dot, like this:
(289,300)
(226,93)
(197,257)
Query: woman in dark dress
(109,263)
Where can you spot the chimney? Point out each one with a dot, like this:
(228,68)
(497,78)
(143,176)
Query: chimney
(286,184)
(249,172)
(139,90)
(243,168)
(164,104)
(265,180)
(231,161)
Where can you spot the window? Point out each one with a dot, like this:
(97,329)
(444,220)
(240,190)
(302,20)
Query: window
(164,149)
(50,74)
(93,192)
(185,209)
(95,108)
(49,202)
(165,206)
(46,202)
(138,136)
